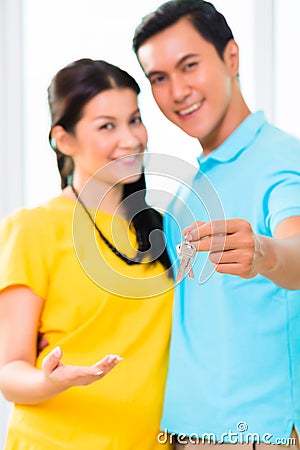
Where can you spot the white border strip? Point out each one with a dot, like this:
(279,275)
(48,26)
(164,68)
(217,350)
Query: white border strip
(11,132)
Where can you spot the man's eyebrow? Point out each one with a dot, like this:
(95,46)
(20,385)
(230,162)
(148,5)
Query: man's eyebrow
(184,58)
(179,62)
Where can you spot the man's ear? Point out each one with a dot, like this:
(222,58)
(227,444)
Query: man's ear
(231,57)
(63,140)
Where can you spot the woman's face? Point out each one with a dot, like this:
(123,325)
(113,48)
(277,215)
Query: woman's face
(110,138)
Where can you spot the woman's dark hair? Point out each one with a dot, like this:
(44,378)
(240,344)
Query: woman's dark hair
(209,23)
(71,88)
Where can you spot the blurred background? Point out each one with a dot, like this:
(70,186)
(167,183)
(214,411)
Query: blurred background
(37,38)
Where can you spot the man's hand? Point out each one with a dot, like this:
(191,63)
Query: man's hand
(232,245)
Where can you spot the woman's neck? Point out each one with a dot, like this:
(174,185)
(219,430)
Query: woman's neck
(97,195)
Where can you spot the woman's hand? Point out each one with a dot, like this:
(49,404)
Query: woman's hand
(67,375)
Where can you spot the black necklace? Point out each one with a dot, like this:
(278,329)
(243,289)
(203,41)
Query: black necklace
(130,262)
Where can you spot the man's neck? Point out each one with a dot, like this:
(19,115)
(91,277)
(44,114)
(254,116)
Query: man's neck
(237,112)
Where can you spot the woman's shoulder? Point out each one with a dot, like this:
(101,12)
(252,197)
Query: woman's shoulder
(38,217)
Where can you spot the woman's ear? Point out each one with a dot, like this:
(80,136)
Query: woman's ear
(231,57)
(63,140)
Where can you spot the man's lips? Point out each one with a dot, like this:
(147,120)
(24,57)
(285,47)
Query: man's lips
(190,109)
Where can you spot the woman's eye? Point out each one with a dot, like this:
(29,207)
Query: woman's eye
(137,119)
(107,126)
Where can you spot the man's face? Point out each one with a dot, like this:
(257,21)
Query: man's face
(190,83)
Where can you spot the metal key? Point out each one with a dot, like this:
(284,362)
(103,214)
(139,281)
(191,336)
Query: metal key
(186,251)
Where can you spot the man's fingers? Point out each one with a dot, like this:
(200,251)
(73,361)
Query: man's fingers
(52,360)
(203,230)
(200,230)
(226,257)
(216,243)
(192,227)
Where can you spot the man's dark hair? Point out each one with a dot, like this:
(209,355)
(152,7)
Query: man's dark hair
(204,17)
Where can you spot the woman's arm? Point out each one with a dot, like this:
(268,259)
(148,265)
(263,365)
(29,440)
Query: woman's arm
(20,381)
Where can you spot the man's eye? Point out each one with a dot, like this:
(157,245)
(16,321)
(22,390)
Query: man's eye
(190,65)
(156,80)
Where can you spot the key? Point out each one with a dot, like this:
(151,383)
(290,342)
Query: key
(189,268)
(190,271)
(186,251)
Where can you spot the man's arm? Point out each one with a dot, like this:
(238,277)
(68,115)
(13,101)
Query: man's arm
(235,249)
(284,251)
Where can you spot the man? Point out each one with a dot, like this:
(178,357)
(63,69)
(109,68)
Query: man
(234,372)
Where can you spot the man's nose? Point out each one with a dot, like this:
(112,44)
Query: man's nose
(180,89)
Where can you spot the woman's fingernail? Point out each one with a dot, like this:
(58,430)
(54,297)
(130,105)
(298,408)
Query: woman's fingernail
(100,372)
(57,351)
(112,358)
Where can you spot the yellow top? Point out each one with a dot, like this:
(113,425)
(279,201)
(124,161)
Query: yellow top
(54,250)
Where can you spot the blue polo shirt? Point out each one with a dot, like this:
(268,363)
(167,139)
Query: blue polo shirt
(235,350)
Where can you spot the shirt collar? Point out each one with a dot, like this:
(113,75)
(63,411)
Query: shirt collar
(237,142)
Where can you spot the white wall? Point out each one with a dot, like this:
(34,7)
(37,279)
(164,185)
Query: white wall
(11,154)
(287,65)
(11,158)
(89,28)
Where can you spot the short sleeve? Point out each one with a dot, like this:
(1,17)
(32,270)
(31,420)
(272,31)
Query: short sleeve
(284,199)
(24,257)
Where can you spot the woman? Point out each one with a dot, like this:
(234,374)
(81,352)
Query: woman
(82,271)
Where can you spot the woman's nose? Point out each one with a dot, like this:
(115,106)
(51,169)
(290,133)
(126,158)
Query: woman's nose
(129,139)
